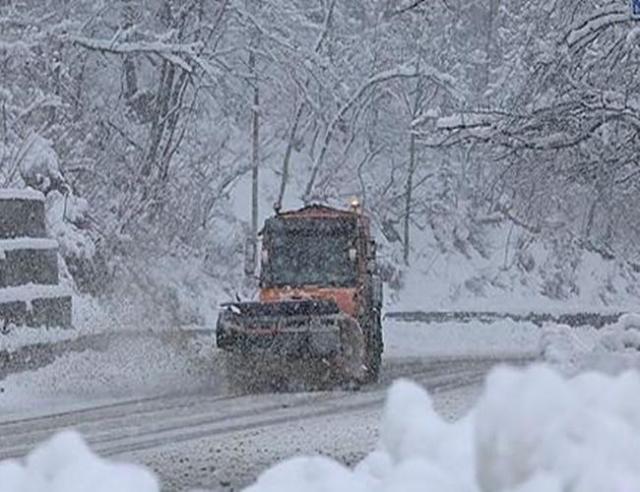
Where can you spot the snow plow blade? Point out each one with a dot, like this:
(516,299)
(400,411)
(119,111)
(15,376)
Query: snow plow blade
(306,344)
(288,328)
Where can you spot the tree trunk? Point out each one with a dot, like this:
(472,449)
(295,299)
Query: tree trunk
(255,159)
(287,156)
(408,198)
(494,6)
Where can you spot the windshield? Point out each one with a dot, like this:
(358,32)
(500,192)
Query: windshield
(309,257)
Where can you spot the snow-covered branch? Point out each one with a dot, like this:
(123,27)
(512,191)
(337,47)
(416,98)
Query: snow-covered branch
(586,30)
(178,54)
(407,70)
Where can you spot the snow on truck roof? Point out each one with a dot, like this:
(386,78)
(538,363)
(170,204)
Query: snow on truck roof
(317,210)
(20,194)
(317,217)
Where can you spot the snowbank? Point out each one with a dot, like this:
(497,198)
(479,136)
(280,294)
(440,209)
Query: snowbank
(613,349)
(65,464)
(531,431)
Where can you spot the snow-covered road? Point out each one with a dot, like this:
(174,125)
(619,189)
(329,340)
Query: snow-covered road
(213,442)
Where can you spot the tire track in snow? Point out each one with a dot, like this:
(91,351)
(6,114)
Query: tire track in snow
(152,422)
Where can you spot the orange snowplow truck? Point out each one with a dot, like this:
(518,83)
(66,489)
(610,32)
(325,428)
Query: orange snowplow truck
(319,314)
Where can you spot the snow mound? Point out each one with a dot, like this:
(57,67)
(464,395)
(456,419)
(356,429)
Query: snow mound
(66,464)
(581,435)
(567,348)
(623,336)
(613,349)
(532,431)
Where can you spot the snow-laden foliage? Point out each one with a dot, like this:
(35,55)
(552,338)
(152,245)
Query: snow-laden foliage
(558,123)
(441,116)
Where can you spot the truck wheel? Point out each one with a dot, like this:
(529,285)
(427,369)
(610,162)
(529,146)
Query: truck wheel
(374,351)
(353,356)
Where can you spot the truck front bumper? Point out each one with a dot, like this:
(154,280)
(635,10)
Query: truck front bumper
(292,336)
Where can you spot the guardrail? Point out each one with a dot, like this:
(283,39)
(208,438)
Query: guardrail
(596,320)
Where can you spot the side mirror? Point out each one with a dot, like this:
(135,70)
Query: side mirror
(249,257)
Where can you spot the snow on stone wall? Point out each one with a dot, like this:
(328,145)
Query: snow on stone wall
(20,194)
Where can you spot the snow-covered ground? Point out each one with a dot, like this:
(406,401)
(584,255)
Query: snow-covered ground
(116,365)
(530,431)
(420,439)
(141,363)
(232,460)
(201,440)
(415,339)
(510,279)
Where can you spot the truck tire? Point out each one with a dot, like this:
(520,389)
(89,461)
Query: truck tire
(353,355)
(374,350)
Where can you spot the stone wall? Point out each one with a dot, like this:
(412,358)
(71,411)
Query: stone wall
(29,279)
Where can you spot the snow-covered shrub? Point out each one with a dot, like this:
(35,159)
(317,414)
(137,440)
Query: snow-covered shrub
(66,464)
(39,164)
(67,219)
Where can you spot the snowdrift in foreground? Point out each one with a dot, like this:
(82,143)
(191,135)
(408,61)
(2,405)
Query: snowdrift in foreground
(65,464)
(531,431)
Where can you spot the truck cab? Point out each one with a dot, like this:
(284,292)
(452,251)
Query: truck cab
(320,296)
